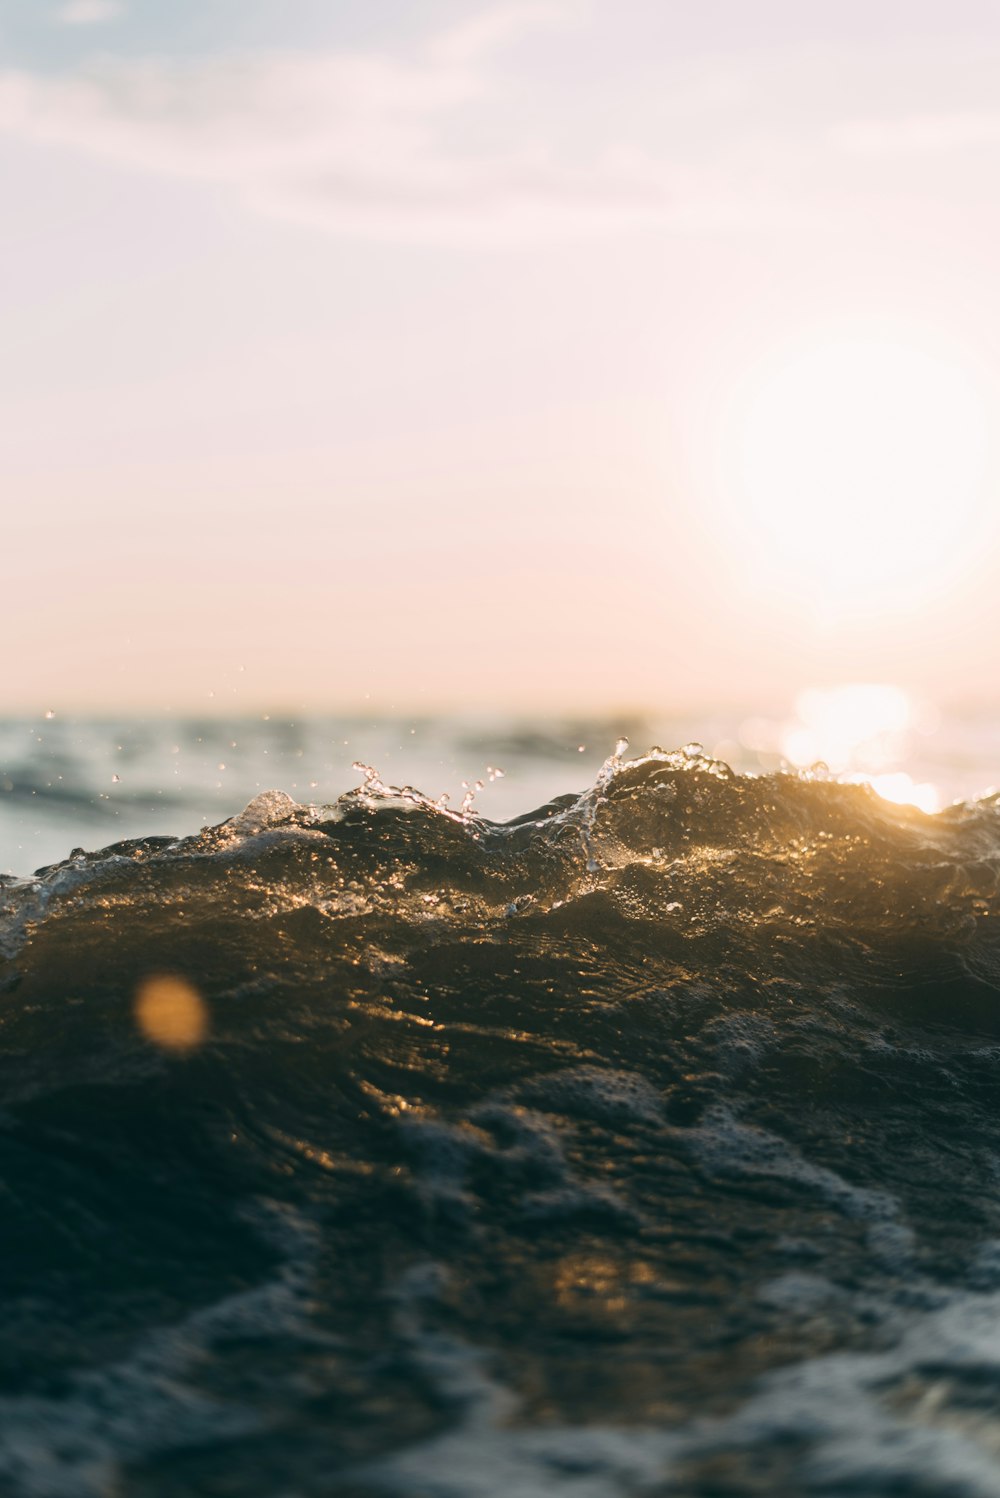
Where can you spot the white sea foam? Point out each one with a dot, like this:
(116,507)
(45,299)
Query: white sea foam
(904,1419)
(144,1405)
(726,1147)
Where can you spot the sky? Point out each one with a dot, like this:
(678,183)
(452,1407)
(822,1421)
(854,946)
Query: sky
(570,355)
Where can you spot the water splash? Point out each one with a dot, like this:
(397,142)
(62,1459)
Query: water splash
(375,789)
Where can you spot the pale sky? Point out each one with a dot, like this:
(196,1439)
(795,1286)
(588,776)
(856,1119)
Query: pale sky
(430,354)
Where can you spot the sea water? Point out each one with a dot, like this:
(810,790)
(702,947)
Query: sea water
(626,1124)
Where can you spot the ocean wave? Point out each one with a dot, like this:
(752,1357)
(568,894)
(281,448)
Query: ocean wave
(586,1148)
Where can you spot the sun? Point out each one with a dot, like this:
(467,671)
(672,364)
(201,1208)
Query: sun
(856,468)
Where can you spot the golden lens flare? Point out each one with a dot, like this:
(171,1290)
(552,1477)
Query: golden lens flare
(170,1012)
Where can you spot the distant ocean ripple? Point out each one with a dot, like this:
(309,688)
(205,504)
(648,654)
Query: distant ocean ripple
(648,1143)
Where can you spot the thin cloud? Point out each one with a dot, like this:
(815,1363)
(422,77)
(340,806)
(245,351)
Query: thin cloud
(365,142)
(919,134)
(89,12)
(484,33)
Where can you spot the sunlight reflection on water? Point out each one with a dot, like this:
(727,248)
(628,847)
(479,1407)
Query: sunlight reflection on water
(865,732)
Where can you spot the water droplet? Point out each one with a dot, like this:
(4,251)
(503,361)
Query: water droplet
(621,747)
(372,781)
(116,780)
(50,714)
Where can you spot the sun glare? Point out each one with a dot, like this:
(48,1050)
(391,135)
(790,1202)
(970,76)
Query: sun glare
(861,732)
(858,466)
